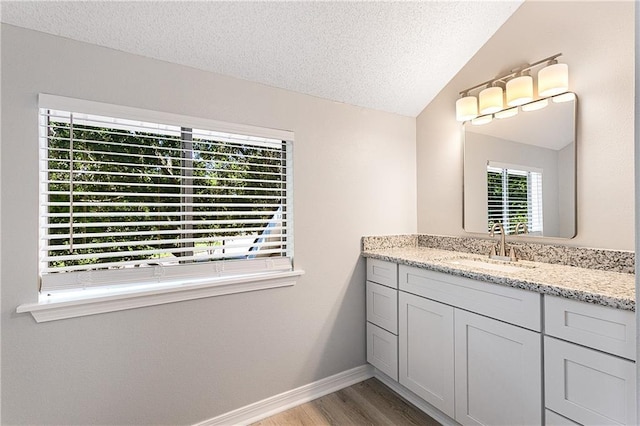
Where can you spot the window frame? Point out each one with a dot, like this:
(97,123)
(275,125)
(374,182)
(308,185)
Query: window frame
(108,298)
(534,195)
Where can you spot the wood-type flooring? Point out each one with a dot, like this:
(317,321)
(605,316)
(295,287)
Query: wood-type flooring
(366,403)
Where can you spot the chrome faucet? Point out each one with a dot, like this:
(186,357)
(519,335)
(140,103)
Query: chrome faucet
(503,245)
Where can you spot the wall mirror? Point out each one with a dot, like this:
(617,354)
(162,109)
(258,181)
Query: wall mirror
(523,169)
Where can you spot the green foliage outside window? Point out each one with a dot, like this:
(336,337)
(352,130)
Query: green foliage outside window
(134,183)
(508,199)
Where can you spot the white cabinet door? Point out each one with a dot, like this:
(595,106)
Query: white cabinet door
(426,350)
(587,386)
(498,372)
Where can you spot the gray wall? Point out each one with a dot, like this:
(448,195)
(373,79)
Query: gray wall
(179,363)
(479,150)
(566,189)
(597,42)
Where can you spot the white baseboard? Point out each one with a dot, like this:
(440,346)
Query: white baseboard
(429,409)
(278,403)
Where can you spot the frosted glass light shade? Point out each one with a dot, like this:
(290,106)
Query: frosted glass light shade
(466,108)
(484,119)
(491,100)
(535,105)
(520,90)
(507,113)
(553,80)
(565,97)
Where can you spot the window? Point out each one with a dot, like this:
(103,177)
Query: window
(514,196)
(128,201)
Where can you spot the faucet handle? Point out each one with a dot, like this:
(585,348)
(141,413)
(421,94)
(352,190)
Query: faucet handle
(512,254)
(522,225)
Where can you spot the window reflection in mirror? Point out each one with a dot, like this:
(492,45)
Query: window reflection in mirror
(514,196)
(522,170)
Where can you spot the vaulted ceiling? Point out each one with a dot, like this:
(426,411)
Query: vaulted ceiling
(390,56)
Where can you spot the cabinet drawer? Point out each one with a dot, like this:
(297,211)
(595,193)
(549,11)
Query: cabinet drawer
(516,306)
(599,327)
(382,306)
(382,272)
(587,386)
(553,419)
(382,350)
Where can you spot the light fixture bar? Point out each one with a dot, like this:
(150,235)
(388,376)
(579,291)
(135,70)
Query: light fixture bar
(512,73)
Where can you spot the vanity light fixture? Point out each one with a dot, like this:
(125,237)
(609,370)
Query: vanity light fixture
(533,106)
(491,99)
(519,90)
(466,107)
(565,97)
(506,113)
(553,79)
(483,119)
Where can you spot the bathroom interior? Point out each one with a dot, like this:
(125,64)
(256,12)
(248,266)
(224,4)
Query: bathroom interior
(397,271)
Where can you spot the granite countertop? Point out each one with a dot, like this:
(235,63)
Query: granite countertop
(605,288)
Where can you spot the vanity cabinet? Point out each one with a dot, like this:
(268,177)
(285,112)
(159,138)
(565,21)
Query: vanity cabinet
(382,316)
(479,351)
(475,369)
(589,353)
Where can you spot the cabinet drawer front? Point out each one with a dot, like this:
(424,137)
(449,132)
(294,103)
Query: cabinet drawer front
(382,306)
(382,272)
(498,372)
(427,351)
(587,386)
(382,350)
(600,327)
(553,419)
(516,306)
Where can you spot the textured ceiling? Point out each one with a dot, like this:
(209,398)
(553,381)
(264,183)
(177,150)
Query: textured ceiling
(390,56)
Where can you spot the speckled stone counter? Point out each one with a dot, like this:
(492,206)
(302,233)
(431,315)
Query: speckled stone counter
(614,289)
(581,257)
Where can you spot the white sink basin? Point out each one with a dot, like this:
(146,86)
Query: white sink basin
(490,265)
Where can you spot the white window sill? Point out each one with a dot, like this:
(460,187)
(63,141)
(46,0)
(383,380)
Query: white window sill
(57,308)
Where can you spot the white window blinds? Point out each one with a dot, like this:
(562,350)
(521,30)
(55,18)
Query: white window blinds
(129,201)
(514,196)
